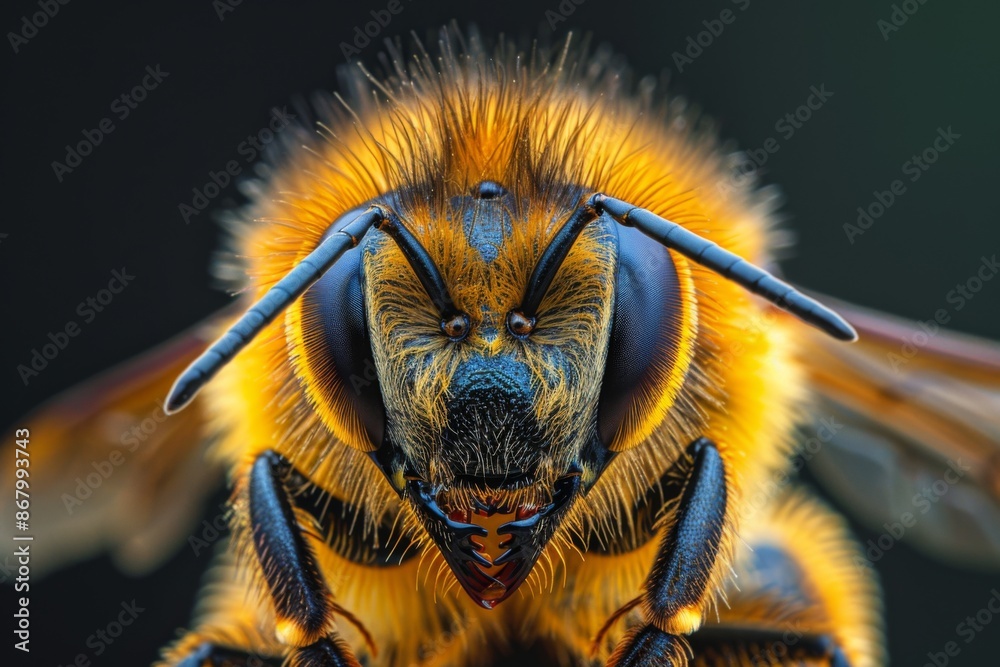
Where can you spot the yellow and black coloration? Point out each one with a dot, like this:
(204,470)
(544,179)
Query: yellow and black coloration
(504,334)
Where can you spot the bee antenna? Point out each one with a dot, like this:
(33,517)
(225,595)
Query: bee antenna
(692,246)
(262,313)
(421,263)
(295,283)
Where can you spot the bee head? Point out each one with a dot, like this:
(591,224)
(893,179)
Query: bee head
(493,391)
(497,345)
(491,384)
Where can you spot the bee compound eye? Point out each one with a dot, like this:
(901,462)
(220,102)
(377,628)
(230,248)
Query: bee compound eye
(519,324)
(456,327)
(337,341)
(648,325)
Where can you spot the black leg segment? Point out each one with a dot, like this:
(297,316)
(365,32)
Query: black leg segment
(297,587)
(687,553)
(675,589)
(304,605)
(647,646)
(324,653)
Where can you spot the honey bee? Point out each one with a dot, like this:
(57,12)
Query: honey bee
(510,369)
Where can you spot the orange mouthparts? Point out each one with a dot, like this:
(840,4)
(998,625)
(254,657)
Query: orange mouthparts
(491,548)
(490,584)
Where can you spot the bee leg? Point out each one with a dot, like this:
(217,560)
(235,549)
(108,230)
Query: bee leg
(674,592)
(801,598)
(303,603)
(648,646)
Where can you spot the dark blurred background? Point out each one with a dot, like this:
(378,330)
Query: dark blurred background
(229,64)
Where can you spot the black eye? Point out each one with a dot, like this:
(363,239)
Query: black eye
(456,327)
(341,355)
(645,331)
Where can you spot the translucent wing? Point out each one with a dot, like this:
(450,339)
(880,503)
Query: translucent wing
(914,443)
(109,470)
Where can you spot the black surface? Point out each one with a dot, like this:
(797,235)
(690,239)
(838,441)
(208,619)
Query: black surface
(288,564)
(687,551)
(120,207)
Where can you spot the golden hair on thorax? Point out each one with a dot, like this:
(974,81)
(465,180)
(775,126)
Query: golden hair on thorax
(510,367)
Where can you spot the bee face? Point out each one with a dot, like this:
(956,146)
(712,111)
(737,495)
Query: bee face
(488,421)
(479,300)
(494,406)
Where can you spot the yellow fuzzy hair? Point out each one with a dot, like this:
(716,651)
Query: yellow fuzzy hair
(432,128)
